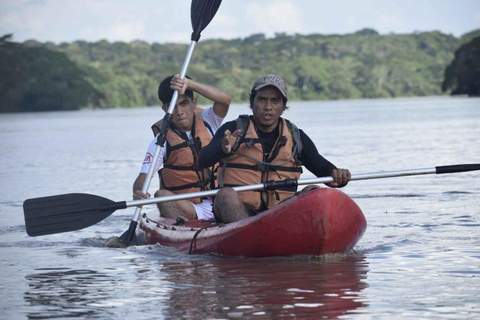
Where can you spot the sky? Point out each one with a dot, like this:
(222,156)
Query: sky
(169,20)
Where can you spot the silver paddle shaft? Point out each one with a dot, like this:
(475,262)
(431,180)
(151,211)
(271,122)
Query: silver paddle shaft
(156,154)
(259,186)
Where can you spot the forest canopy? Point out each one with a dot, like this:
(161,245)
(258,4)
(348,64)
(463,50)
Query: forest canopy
(45,76)
(462,76)
(38,79)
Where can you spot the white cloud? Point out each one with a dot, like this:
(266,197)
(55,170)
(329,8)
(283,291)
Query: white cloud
(351,21)
(476,17)
(10,20)
(388,22)
(125,31)
(169,20)
(225,21)
(224,26)
(175,37)
(280,16)
(27,20)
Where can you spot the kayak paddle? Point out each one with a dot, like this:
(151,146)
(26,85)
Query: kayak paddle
(201,13)
(75,211)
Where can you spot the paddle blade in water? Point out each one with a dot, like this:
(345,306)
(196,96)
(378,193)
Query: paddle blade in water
(201,13)
(67,212)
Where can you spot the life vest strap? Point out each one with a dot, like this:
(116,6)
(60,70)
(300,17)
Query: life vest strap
(250,142)
(187,143)
(194,167)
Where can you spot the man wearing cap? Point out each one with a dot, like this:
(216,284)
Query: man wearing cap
(191,129)
(259,148)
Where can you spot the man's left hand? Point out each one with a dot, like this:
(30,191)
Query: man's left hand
(341,177)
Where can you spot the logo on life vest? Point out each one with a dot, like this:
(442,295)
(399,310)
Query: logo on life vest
(148,158)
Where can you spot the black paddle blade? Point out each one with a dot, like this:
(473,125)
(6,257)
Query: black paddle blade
(201,13)
(67,212)
(129,238)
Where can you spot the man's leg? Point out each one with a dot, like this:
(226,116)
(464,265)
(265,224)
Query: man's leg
(228,207)
(174,209)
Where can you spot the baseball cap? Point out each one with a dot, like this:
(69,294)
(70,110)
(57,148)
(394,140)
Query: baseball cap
(270,80)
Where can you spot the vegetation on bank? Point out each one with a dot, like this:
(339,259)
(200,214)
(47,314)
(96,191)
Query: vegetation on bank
(44,76)
(462,76)
(39,79)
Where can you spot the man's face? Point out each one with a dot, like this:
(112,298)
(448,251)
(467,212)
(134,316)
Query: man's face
(267,108)
(182,115)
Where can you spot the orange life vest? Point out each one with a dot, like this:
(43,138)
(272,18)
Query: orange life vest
(249,166)
(180,172)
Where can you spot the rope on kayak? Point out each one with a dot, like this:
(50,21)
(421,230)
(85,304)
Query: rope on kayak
(220,224)
(180,222)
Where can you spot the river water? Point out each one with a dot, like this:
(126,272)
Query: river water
(418,259)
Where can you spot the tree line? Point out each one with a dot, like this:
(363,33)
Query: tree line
(38,76)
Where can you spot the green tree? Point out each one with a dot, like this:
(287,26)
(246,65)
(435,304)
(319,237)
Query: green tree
(363,64)
(13,71)
(37,79)
(462,76)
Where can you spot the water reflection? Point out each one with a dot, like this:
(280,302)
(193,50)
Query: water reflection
(65,293)
(266,288)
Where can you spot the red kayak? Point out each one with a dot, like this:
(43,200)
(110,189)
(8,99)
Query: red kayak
(315,223)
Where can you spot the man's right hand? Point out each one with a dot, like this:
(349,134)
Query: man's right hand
(139,195)
(229,140)
(179,84)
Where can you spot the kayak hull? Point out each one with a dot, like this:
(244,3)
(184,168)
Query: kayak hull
(315,223)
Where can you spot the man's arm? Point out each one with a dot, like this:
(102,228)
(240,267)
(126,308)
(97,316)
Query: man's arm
(321,167)
(147,162)
(221,99)
(137,187)
(313,160)
(213,152)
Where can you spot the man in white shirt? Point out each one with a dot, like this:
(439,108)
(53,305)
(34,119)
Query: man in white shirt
(191,129)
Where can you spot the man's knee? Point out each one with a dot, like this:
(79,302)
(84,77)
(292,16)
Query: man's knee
(226,193)
(308,188)
(163,193)
(223,199)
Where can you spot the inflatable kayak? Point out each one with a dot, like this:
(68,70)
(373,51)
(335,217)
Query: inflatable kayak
(315,223)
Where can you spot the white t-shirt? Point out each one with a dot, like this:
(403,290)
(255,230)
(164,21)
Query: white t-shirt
(208,116)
